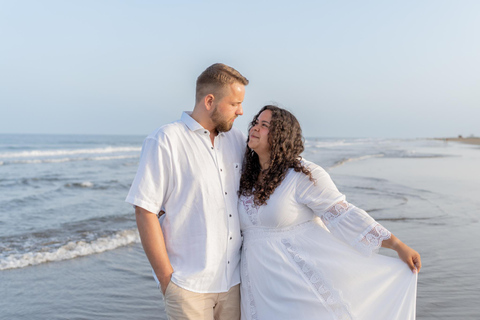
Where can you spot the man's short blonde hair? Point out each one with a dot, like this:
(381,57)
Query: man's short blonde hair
(215,78)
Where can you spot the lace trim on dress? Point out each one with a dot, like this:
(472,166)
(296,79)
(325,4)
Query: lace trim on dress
(335,212)
(253,307)
(250,208)
(371,240)
(329,296)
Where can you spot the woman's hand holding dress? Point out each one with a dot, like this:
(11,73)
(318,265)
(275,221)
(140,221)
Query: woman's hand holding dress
(405,253)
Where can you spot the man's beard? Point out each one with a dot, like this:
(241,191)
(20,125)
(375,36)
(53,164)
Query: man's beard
(221,124)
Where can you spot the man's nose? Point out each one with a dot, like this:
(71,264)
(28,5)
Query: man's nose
(240,110)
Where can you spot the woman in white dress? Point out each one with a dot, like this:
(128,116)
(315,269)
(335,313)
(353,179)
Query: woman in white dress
(307,253)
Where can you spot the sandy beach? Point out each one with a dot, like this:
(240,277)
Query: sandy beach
(471,140)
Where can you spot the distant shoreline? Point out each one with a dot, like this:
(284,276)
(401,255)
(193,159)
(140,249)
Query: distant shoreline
(473,140)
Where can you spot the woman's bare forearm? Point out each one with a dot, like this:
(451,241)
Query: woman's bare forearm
(408,255)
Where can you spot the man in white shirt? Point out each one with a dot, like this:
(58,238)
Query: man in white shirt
(190,169)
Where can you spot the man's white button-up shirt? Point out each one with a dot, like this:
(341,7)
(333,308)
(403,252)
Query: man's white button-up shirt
(196,184)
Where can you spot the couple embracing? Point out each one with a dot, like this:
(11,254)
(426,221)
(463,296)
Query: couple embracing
(307,253)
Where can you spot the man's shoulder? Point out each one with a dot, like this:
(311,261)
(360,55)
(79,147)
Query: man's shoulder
(166,130)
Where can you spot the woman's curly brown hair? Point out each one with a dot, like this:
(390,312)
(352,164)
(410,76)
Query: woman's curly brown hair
(286,143)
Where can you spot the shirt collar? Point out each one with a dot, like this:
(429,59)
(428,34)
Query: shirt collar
(190,122)
(193,125)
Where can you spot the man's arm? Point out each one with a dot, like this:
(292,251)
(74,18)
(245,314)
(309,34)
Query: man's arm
(154,245)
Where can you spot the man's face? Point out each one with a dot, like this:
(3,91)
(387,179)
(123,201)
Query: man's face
(228,108)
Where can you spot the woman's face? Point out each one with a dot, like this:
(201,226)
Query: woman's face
(258,135)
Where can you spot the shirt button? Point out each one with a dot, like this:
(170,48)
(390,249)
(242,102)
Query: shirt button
(205,132)
(230,215)
(212,148)
(221,170)
(230,238)
(228,262)
(225,193)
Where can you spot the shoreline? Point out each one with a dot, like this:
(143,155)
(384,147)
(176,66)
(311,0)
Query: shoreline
(473,140)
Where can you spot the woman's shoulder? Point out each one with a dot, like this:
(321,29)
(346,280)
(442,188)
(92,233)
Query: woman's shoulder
(317,173)
(311,165)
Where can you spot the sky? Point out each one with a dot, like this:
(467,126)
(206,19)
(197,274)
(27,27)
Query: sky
(380,69)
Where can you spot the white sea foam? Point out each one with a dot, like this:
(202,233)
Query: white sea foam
(329,144)
(59,160)
(325,144)
(85,184)
(52,153)
(71,250)
(342,162)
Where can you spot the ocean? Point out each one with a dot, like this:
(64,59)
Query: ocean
(69,248)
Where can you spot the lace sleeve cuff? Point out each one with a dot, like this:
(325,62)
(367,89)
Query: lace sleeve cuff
(356,227)
(371,240)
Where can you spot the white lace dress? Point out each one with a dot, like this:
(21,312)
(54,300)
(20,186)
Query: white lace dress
(308,254)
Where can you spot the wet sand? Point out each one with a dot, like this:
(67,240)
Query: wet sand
(443,226)
(116,284)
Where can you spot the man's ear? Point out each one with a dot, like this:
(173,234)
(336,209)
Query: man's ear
(209,99)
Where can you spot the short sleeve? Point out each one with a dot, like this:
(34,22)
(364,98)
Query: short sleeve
(345,221)
(148,189)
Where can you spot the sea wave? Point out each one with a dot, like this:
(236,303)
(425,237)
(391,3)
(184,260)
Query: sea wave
(331,143)
(67,152)
(343,161)
(59,160)
(415,155)
(326,144)
(71,250)
(85,184)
